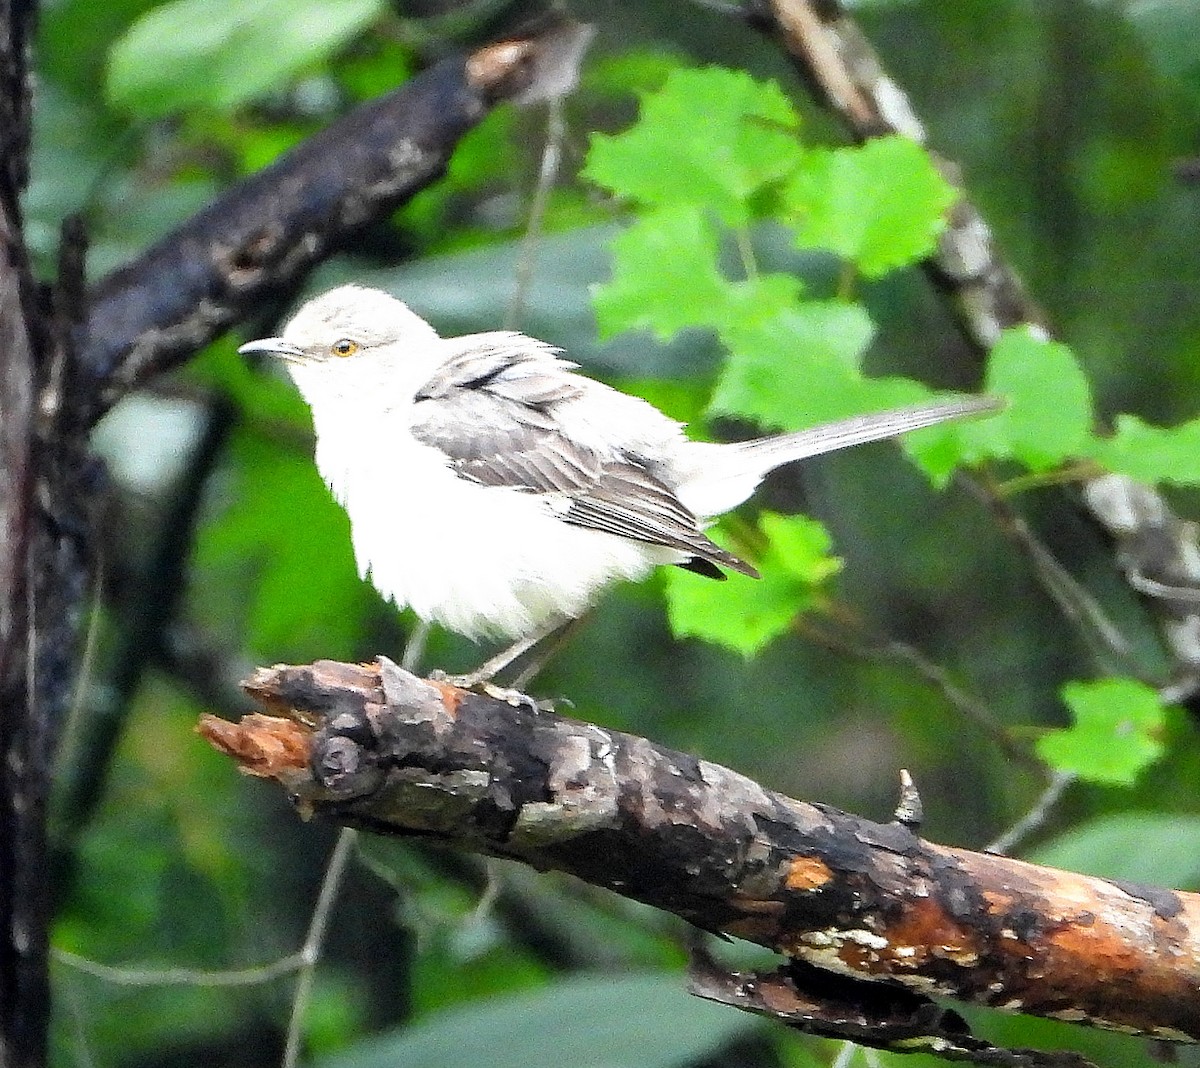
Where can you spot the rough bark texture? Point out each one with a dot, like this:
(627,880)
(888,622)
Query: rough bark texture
(385,751)
(1157,551)
(24,721)
(22,725)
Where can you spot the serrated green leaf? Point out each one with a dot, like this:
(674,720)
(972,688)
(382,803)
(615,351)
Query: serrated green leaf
(1151,453)
(1146,847)
(1116,735)
(221,53)
(880,205)
(745,614)
(796,365)
(665,276)
(712,137)
(593,1021)
(1049,414)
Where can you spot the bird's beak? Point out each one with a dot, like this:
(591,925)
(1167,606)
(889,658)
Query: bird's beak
(276,346)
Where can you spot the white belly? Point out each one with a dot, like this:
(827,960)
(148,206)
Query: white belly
(479,560)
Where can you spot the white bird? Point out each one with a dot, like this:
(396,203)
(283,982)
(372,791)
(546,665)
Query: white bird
(496,491)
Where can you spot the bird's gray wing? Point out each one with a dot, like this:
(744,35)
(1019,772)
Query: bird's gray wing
(490,410)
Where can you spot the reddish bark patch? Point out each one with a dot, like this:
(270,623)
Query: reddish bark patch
(452,696)
(925,931)
(806,874)
(266,746)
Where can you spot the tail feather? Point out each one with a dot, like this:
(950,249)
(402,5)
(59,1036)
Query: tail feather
(829,437)
(725,475)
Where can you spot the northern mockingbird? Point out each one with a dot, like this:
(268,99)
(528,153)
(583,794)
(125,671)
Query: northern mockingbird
(496,491)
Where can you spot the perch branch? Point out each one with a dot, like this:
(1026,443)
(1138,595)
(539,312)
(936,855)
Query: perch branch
(380,749)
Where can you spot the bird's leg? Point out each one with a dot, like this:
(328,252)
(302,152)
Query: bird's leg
(480,678)
(553,642)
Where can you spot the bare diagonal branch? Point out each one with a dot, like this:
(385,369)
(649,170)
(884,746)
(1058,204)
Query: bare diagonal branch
(264,234)
(383,750)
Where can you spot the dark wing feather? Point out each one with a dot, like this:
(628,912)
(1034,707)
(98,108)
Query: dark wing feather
(490,410)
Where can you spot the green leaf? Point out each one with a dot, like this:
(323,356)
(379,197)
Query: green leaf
(665,276)
(796,364)
(745,614)
(1049,414)
(221,53)
(593,1021)
(1146,847)
(711,137)
(880,205)
(1117,731)
(1151,453)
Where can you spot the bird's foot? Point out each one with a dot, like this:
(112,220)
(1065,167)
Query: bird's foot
(517,698)
(474,682)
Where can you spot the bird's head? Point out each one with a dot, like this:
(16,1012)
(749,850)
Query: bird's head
(348,326)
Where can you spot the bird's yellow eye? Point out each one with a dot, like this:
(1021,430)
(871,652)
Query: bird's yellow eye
(344,347)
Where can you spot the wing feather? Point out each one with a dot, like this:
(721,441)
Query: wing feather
(490,410)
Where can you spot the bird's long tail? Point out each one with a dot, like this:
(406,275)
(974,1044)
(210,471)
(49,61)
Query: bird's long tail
(727,474)
(858,430)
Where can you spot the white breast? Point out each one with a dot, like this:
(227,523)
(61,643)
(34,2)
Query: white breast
(480,560)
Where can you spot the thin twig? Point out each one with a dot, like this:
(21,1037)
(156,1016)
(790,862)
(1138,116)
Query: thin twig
(414,648)
(859,640)
(314,941)
(259,973)
(527,259)
(845,1054)
(84,1057)
(87,662)
(723,7)
(1075,603)
(1035,817)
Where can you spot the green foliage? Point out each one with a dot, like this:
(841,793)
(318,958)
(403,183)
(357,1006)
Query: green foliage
(221,53)
(796,367)
(880,206)
(1049,413)
(1167,28)
(284,539)
(642,1020)
(744,614)
(744,140)
(665,275)
(1116,734)
(794,360)
(1151,453)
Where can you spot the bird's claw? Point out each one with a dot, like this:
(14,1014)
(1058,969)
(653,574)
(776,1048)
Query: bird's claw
(509,696)
(516,698)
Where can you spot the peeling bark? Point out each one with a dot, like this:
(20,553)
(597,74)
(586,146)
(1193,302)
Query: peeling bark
(379,749)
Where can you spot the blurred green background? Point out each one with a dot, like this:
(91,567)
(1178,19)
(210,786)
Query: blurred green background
(1074,124)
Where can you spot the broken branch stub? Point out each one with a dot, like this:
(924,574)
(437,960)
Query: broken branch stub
(395,754)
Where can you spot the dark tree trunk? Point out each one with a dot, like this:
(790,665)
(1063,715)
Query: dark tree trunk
(62,365)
